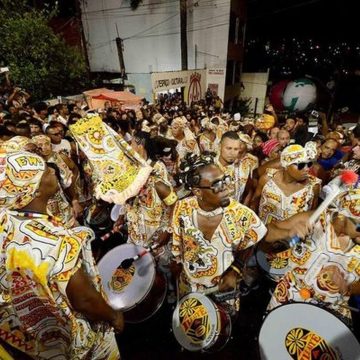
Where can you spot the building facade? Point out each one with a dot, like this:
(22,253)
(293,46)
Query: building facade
(151,42)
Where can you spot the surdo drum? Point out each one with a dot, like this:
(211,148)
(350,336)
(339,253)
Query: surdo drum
(306,331)
(199,324)
(139,290)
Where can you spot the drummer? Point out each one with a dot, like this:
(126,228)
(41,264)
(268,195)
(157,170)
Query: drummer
(51,303)
(210,229)
(148,214)
(325,268)
(290,190)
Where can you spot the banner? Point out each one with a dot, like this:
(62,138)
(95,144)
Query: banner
(193,79)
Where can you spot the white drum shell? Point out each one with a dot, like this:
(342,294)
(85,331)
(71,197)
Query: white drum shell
(142,280)
(281,320)
(180,335)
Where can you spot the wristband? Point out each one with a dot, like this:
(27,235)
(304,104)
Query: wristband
(235,269)
(170,199)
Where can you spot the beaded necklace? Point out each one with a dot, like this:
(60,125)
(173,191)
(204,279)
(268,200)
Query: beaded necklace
(208,214)
(36,215)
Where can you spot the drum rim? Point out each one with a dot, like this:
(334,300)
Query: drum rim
(151,282)
(160,304)
(271,276)
(302,303)
(176,311)
(267,313)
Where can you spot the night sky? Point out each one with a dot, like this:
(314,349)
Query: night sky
(294,38)
(318,19)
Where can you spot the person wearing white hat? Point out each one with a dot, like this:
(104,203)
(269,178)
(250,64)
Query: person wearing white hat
(208,140)
(237,117)
(293,179)
(185,138)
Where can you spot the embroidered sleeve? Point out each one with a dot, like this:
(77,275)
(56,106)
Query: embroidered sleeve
(69,260)
(176,229)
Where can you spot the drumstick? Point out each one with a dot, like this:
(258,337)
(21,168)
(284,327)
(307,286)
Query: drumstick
(211,290)
(126,263)
(113,231)
(107,235)
(348,178)
(354,309)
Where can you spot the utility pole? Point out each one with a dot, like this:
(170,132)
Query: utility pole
(183,34)
(120,50)
(196,55)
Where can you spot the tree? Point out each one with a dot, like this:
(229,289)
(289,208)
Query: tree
(39,60)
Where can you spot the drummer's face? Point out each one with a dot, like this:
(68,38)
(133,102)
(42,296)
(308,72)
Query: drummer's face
(210,175)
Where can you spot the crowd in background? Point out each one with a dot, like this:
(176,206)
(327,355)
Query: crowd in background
(261,156)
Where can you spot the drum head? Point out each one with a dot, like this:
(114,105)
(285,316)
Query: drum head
(275,267)
(195,322)
(305,331)
(126,287)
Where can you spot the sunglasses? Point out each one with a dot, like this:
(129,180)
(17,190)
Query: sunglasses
(357,225)
(218,185)
(57,134)
(302,165)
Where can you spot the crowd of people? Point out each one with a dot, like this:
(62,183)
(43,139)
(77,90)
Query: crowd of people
(222,191)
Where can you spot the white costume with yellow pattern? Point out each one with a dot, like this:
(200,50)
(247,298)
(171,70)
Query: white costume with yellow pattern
(204,261)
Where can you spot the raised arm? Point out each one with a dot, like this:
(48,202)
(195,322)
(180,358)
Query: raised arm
(86,300)
(254,203)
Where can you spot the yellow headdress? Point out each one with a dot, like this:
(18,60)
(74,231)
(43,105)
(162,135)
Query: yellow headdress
(17,143)
(246,139)
(295,154)
(20,177)
(119,172)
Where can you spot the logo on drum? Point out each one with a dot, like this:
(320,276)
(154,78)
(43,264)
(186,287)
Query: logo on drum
(302,344)
(194,320)
(121,278)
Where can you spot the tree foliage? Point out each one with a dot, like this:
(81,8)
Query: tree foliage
(39,60)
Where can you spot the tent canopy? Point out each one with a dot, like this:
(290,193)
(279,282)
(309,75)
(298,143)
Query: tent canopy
(96,98)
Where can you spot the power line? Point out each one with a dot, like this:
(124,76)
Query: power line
(114,14)
(162,22)
(178,32)
(101,17)
(166,6)
(128,8)
(136,36)
(205,53)
(152,27)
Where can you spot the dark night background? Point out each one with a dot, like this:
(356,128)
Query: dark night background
(295,38)
(320,38)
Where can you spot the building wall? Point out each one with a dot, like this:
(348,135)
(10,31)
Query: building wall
(150,40)
(142,83)
(211,27)
(216,81)
(254,88)
(151,35)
